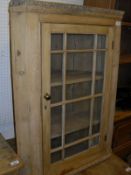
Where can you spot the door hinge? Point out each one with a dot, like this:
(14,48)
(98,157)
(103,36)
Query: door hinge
(112,45)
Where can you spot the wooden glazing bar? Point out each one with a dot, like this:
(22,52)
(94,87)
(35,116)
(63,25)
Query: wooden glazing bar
(93,86)
(64,94)
(75,142)
(76,78)
(81,140)
(56,149)
(76,100)
(76,50)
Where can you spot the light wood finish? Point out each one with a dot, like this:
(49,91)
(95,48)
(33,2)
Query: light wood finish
(77,51)
(113,85)
(26,71)
(59,168)
(64,74)
(97,20)
(7,157)
(32,23)
(110,4)
(112,166)
(52,8)
(76,100)
(108,121)
(73,77)
(46,89)
(94,156)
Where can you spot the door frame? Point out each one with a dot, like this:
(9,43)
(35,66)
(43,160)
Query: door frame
(98,153)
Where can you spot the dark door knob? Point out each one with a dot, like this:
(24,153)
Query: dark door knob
(47,96)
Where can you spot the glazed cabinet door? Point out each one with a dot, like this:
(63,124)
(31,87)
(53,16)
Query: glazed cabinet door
(76,63)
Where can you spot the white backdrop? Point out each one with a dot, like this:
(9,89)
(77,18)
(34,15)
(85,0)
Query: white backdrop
(6,112)
(6,109)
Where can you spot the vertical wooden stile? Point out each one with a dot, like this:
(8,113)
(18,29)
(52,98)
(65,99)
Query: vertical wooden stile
(93,85)
(64,95)
(46,76)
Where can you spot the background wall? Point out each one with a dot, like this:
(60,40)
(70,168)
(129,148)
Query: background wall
(6,112)
(6,109)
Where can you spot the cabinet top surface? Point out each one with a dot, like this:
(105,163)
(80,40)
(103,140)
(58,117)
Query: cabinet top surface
(59,8)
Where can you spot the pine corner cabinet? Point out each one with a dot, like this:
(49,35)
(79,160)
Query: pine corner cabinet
(64,71)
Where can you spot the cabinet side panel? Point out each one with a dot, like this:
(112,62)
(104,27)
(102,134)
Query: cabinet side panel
(113,88)
(26,77)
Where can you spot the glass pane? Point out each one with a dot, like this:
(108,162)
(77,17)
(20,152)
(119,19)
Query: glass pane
(97,115)
(100,68)
(56,41)
(78,90)
(76,135)
(79,66)
(98,86)
(56,94)
(94,141)
(57,156)
(56,68)
(76,149)
(56,126)
(80,41)
(100,63)
(56,77)
(101,42)
(77,120)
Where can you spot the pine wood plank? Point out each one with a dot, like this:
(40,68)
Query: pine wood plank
(31,77)
(52,8)
(7,158)
(93,85)
(46,77)
(111,166)
(26,70)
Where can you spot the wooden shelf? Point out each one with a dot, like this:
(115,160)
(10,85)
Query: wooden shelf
(73,77)
(125,59)
(81,122)
(78,50)
(128,24)
(120,115)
